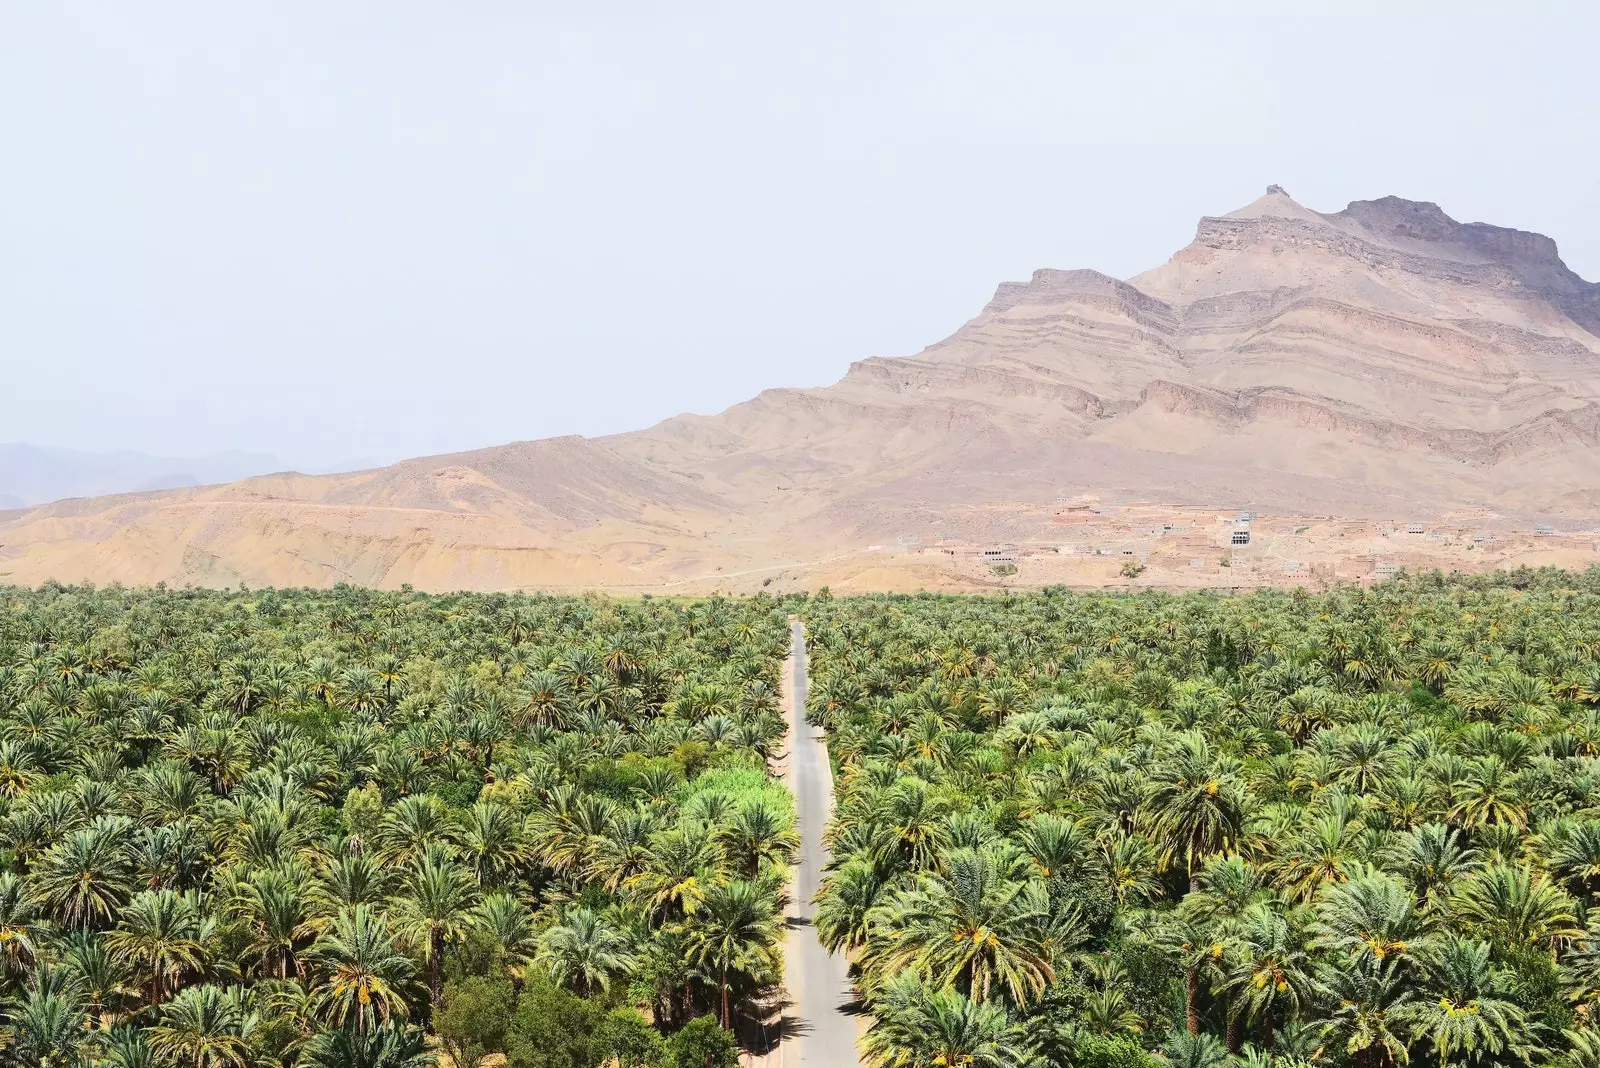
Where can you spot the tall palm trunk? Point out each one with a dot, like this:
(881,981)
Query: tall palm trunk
(1191,1000)
(727,1019)
(436,967)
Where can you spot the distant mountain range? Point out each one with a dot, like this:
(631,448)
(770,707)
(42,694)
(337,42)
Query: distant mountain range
(1384,360)
(31,474)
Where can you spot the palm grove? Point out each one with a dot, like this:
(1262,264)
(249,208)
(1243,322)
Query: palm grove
(1357,828)
(353,829)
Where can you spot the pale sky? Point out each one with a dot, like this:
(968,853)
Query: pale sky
(337,230)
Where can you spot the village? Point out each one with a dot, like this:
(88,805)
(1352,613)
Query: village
(1084,541)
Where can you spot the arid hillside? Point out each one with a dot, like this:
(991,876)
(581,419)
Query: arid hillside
(1383,363)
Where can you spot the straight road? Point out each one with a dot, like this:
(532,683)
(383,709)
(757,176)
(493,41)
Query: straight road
(822,1034)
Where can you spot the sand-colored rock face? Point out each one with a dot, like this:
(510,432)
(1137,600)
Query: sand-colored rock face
(1383,361)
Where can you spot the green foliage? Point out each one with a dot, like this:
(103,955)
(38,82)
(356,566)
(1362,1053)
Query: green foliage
(1359,827)
(554,1029)
(628,1038)
(701,1044)
(240,828)
(474,1019)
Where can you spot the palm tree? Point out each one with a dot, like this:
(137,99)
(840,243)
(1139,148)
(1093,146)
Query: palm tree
(387,1045)
(509,925)
(1489,795)
(1434,857)
(585,951)
(84,880)
(47,1023)
(1371,918)
(1197,805)
(1272,975)
(493,842)
(435,909)
(203,1027)
(19,927)
(758,834)
(163,935)
(1468,1008)
(1196,946)
(1517,906)
(682,865)
(845,902)
(1370,1002)
(974,929)
(917,1027)
(735,930)
(1187,1049)
(359,978)
(273,904)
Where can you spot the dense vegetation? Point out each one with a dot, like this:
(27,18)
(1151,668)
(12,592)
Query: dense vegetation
(292,828)
(1358,828)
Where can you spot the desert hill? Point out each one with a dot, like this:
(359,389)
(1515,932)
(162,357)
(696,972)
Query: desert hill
(1379,362)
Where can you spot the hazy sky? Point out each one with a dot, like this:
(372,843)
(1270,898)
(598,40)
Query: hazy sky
(335,230)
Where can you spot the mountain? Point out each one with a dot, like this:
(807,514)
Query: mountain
(31,474)
(1381,361)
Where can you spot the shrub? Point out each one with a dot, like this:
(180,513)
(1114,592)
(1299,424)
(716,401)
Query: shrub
(702,1044)
(554,1029)
(474,1019)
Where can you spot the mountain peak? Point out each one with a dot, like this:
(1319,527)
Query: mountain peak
(1276,203)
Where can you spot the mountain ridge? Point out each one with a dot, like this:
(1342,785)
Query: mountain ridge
(1379,357)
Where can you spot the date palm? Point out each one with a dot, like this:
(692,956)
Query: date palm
(1467,1009)
(735,931)
(1369,1005)
(758,834)
(203,1027)
(435,909)
(349,880)
(1435,857)
(162,935)
(974,929)
(1488,794)
(919,1028)
(1197,806)
(386,1045)
(682,866)
(494,842)
(47,1022)
(359,979)
(585,951)
(1517,906)
(274,906)
(845,902)
(1271,976)
(84,880)
(1371,918)
(107,987)
(19,927)
(509,926)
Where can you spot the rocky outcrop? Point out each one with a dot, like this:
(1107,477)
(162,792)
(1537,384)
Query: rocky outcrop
(1351,362)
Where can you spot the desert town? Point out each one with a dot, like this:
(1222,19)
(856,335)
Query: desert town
(1084,541)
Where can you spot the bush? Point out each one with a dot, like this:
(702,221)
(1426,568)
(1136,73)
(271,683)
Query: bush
(630,1039)
(473,1021)
(554,1029)
(1096,1052)
(702,1044)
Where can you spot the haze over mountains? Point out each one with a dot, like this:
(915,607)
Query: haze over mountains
(33,474)
(1377,361)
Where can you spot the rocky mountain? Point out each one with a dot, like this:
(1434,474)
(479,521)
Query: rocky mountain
(1380,360)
